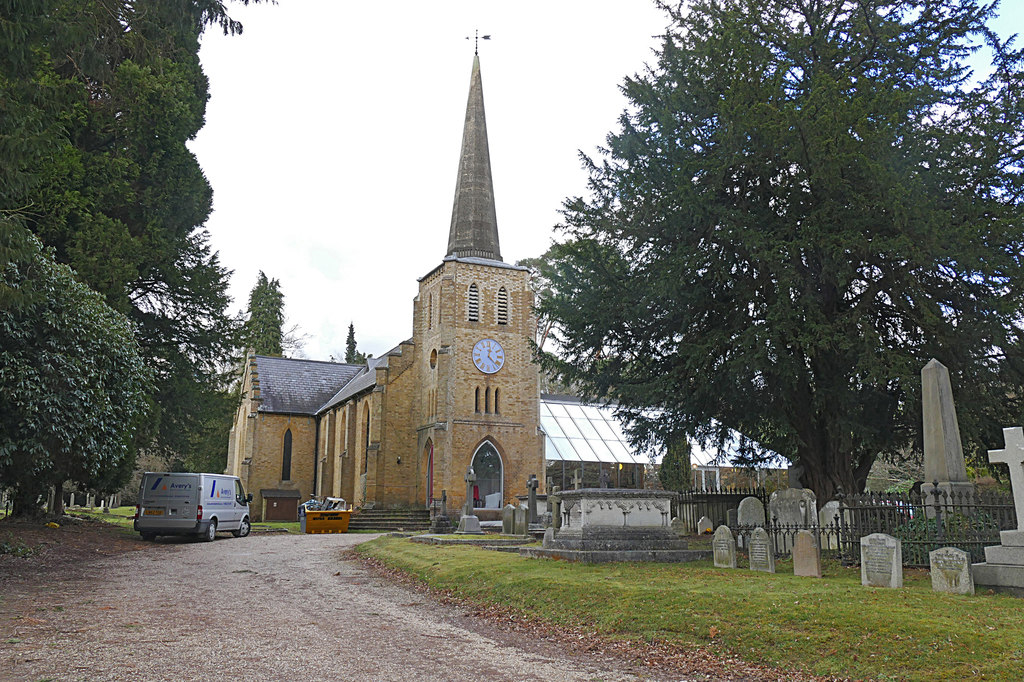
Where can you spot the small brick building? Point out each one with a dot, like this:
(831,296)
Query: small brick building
(463,390)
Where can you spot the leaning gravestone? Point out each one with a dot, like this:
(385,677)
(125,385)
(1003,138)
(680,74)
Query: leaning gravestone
(508,521)
(522,521)
(951,570)
(881,561)
(723,546)
(762,558)
(806,555)
(704,526)
(828,523)
(750,513)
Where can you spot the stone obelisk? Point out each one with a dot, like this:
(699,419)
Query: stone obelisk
(943,450)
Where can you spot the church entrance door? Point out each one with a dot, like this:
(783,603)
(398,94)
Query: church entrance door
(489,491)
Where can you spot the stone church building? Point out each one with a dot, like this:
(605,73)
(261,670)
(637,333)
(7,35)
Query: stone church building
(462,391)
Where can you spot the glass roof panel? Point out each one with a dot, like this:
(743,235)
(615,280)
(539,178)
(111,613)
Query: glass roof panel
(565,449)
(605,429)
(586,428)
(557,409)
(550,426)
(569,427)
(603,452)
(621,452)
(586,452)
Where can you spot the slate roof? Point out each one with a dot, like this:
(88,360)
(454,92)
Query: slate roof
(293,386)
(363,380)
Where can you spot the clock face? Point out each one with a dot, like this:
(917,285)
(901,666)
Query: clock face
(488,356)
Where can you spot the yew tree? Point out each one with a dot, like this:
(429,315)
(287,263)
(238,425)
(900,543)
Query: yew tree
(805,201)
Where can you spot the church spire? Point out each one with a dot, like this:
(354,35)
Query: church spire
(474,230)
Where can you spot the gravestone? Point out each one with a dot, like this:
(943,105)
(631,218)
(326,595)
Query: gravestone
(828,523)
(795,508)
(522,521)
(531,503)
(441,524)
(750,513)
(762,558)
(881,561)
(704,526)
(469,523)
(1003,568)
(951,570)
(679,527)
(731,516)
(508,522)
(806,555)
(723,545)
(556,509)
(944,467)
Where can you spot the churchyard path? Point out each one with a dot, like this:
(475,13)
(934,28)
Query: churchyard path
(266,607)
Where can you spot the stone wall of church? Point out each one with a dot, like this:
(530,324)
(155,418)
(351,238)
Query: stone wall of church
(397,477)
(265,468)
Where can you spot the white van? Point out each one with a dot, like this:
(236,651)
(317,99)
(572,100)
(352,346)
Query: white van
(191,504)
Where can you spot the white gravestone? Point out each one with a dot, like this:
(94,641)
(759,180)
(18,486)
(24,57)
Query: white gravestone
(951,571)
(762,558)
(1003,568)
(723,546)
(828,522)
(704,526)
(881,561)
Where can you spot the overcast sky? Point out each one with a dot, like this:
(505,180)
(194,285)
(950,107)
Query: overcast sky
(333,131)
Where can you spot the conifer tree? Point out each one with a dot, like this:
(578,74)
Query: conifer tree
(352,355)
(264,327)
(805,202)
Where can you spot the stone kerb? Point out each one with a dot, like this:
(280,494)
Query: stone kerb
(723,546)
(950,570)
(762,557)
(881,561)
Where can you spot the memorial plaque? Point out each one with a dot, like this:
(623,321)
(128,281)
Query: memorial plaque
(762,557)
(951,571)
(881,561)
(723,545)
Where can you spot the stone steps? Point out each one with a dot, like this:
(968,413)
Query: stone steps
(390,519)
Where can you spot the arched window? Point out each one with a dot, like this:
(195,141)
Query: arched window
(474,303)
(502,306)
(286,457)
(476,401)
(496,410)
(488,469)
(341,440)
(487,400)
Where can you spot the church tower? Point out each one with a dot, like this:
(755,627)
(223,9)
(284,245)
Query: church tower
(479,389)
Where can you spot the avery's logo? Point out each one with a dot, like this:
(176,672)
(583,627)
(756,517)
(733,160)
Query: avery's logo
(174,486)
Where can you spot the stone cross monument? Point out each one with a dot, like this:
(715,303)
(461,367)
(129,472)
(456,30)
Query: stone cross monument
(469,523)
(1003,569)
(531,500)
(577,480)
(944,467)
(605,478)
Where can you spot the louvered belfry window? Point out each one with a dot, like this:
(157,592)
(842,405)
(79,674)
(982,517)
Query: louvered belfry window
(502,306)
(474,303)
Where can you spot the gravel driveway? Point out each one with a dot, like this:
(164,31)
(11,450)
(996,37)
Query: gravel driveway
(266,607)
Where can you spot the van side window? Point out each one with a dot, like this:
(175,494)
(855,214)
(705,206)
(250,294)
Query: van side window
(239,493)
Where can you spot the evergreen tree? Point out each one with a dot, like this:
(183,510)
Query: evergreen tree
(99,100)
(264,329)
(674,472)
(353,356)
(73,385)
(806,201)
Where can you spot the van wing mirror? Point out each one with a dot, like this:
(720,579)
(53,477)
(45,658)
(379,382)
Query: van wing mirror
(248,498)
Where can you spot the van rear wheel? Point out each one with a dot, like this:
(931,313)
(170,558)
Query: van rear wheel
(243,528)
(211,531)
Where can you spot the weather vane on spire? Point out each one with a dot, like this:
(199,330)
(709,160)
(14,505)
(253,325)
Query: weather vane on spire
(476,41)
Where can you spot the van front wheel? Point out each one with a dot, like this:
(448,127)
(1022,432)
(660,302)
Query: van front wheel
(211,532)
(243,528)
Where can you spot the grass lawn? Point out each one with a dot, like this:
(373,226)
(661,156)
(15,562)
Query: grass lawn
(831,626)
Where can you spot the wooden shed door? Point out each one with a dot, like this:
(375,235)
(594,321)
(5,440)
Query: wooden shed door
(282,508)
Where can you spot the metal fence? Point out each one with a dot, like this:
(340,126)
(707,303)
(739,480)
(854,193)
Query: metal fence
(968,520)
(714,504)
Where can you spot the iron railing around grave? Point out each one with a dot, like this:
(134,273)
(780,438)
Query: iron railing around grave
(714,504)
(969,520)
